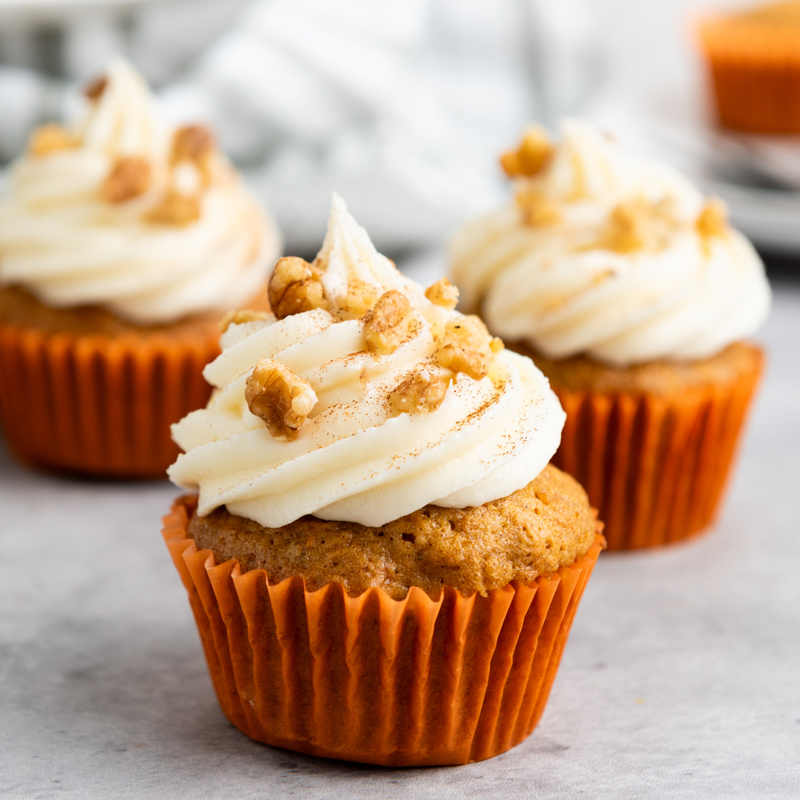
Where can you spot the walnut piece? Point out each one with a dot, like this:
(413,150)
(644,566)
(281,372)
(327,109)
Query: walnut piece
(443,293)
(465,347)
(239,316)
(389,323)
(531,157)
(48,139)
(195,144)
(360,298)
(713,219)
(192,143)
(536,209)
(421,393)
(174,209)
(129,177)
(294,287)
(95,88)
(282,399)
(627,226)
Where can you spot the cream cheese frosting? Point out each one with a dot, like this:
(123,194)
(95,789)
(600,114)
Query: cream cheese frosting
(611,256)
(356,458)
(109,213)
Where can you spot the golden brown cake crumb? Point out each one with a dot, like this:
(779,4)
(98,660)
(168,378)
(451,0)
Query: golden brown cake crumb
(534,531)
(19,308)
(662,378)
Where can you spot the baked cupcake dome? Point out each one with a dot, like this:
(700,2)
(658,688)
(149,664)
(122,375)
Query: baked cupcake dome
(122,241)
(382,516)
(627,287)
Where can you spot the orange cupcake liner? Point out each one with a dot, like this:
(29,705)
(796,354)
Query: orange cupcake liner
(398,683)
(654,468)
(755,72)
(96,405)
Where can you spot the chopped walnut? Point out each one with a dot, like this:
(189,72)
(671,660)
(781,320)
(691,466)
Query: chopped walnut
(628,226)
(95,88)
(531,157)
(713,219)
(193,143)
(129,177)
(537,210)
(465,347)
(389,323)
(239,316)
(175,209)
(443,293)
(49,139)
(360,298)
(496,345)
(279,397)
(422,393)
(294,287)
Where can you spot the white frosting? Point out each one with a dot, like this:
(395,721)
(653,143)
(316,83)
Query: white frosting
(60,240)
(355,459)
(557,287)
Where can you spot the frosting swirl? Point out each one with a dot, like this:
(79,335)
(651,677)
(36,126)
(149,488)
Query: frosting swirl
(113,212)
(618,258)
(356,457)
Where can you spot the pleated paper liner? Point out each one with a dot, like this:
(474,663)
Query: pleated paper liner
(755,72)
(99,405)
(655,467)
(372,679)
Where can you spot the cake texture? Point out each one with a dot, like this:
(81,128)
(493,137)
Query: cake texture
(381,563)
(754,63)
(122,242)
(534,531)
(634,296)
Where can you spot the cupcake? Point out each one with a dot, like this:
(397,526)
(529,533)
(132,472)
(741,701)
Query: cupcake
(122,241)
(382,565)
(633,294)
(754,60)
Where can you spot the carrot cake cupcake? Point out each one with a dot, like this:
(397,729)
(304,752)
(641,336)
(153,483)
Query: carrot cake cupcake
(634,295)
(122,241)
(382,564)
(754,60)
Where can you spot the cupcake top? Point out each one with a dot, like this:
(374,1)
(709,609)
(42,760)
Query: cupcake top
(124,212)
(363,398)
(610,256)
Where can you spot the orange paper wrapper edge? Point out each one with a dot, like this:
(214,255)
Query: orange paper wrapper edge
(97,405)
(755,72)
(393,682)
(654,468)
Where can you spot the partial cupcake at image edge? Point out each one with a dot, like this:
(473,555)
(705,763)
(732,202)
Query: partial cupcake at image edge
(382,564)
(634,296)
(753,58)
(123,240)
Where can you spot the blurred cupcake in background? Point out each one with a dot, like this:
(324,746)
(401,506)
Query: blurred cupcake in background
(122,241)
(633,294)
(382,564)
(754,60)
